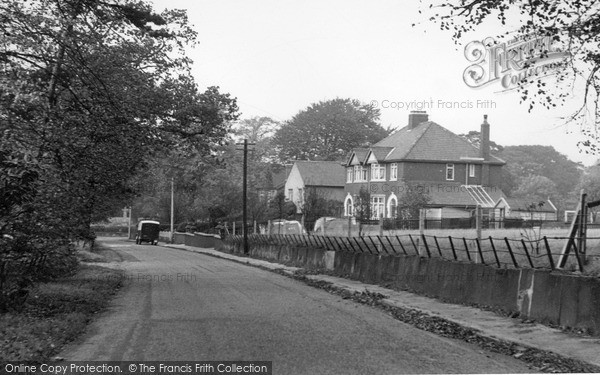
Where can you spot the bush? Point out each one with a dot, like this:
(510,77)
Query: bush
(29,260)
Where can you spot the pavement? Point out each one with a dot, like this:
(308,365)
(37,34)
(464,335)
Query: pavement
(487,324)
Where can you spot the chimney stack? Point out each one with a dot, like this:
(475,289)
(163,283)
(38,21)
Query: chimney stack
(417,117)
(484,141)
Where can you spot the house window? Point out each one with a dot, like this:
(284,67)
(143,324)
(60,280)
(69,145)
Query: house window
(300,196)
(377,172)
(449,172)
(357,173)
(349,174)
(291,194)
(377,206)
(364,172)
(393,171)
(471,170)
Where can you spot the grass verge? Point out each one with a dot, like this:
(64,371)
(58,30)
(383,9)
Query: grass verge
(55,313)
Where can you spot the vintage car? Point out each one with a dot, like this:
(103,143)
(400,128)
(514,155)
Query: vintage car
(147,231)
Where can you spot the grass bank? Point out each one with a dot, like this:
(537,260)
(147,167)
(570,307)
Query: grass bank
(55,313)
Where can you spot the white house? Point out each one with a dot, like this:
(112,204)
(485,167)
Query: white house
(328,178)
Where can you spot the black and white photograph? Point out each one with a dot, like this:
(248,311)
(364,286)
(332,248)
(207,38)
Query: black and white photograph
(299,187)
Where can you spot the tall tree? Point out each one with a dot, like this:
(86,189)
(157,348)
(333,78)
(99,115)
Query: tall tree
(89,91)
(93,88)
(536,188)
(328,130)
(571,25)
(535,160)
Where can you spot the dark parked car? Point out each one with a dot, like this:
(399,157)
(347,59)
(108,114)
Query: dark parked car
(147,231)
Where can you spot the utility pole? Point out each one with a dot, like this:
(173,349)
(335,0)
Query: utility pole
(245,196)
(129,224)
(172,207)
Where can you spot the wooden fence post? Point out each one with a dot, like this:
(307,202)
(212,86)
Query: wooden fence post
(478,220)
(380,232)
(421,229)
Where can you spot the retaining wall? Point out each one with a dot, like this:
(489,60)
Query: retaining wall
(547,296)
(297,256)
(196,239)
(550,297)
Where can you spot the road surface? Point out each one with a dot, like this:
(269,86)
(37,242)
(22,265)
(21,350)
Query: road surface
(180,305)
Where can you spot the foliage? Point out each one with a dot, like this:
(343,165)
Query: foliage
(532,227)
(208,188)
(590,183)
(474,138)
(536,188)
(281,208)
(412,200)
(55,313)
(259,132)
(89,91)
(571,25)
(318,204)
(362,208)
(525,161)
(328,130)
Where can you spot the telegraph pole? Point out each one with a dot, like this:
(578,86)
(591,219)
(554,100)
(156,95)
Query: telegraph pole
(172,207)
(245,196)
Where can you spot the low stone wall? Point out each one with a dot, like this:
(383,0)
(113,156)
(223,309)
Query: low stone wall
(197,239)
(290,255)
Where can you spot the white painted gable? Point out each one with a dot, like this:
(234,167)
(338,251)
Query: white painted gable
(371,159)
(354,160)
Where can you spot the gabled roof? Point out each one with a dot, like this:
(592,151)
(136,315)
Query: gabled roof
(322,173)
(429,141)
(358,153)
(380,153)
(279,177)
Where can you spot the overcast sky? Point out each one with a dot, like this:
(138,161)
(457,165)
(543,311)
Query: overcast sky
(277,57)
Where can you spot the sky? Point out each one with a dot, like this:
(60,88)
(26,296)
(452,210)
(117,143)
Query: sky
(277,57)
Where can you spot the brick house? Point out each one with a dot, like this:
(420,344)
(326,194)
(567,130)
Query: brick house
(455,174)
(325,177)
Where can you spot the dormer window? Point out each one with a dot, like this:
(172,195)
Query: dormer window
(377,172)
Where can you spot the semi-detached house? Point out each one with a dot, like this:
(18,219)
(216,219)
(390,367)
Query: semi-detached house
(456,175)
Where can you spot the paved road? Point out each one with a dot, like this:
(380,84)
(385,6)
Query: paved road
(179,305)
